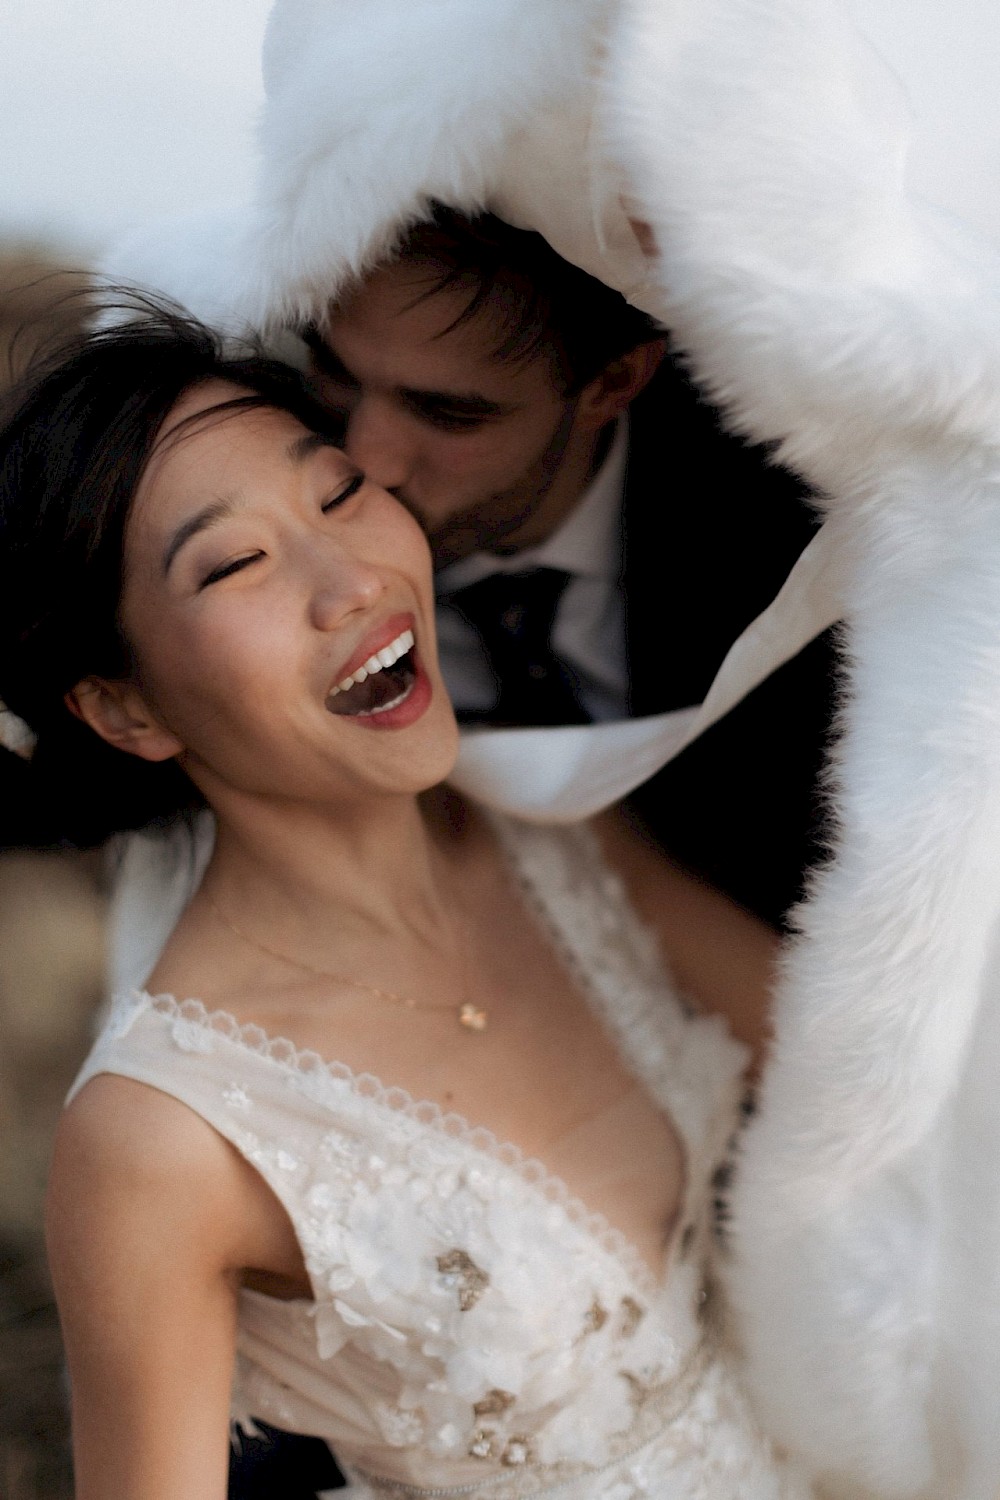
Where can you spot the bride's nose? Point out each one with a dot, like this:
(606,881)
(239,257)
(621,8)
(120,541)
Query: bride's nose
(342,586)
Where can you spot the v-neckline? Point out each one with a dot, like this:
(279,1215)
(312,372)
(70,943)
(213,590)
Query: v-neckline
(549,1185)
(429,1115)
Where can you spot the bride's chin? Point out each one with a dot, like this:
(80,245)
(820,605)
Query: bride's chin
(442,762)
(416,760)
(434,762)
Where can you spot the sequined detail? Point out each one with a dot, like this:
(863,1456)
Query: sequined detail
(632,1316)
(237,1098)
(494,1404)
(638,1387)
(596,1317)
(656,1409)
(517,1451)
(400,1428)
(458,1270)
(484,1443)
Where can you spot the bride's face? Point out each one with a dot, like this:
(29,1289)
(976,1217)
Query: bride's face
(281,612)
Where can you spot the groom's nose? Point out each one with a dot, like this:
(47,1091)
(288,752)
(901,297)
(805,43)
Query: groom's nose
(382,441)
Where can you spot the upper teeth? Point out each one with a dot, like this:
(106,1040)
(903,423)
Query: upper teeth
(377,661)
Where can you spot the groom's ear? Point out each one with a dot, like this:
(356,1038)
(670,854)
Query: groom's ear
(612,391)
(118,713)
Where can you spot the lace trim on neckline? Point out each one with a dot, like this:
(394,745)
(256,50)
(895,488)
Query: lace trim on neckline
(425,1112)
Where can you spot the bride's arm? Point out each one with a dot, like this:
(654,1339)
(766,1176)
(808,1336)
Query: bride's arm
(145,1218)
(723,958)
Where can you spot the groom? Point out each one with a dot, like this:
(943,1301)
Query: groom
(599,541)
(599,544)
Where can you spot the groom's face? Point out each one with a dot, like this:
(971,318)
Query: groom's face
(486,454)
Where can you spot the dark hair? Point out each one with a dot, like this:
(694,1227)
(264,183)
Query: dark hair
(75,437)
(539,303)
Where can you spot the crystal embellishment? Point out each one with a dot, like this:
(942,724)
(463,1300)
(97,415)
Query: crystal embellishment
(494,1404)
(483,1443)
(459,1271)
(517,1452)
(632,1316)
(595,1318)
(236,1096)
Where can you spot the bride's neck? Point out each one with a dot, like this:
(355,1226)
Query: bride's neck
(383,864)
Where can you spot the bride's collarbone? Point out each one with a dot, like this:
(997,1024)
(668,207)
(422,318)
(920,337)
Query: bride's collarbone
(540,1059)
(542,1063)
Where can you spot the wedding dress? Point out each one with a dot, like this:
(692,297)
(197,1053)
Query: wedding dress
(475,1331)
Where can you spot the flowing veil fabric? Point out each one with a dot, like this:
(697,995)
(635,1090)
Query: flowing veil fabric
(561,775)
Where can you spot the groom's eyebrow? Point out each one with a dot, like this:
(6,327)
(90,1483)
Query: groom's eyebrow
(458,403)
(200,521)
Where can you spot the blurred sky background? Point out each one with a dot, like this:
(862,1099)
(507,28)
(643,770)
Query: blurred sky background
(113,112)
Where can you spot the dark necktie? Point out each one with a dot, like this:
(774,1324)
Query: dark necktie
(513,615)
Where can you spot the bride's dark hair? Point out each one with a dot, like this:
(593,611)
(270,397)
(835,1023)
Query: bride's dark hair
(75,436)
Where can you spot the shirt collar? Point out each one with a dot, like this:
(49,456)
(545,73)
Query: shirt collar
(587,544)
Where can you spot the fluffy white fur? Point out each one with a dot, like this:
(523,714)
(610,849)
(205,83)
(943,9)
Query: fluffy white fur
(405,103)
(372,109)
(828,310)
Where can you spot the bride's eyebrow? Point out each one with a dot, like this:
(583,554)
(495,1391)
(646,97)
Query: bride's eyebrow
(298,451)
(200,521)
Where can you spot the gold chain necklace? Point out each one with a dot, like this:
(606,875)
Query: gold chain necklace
(470,1016)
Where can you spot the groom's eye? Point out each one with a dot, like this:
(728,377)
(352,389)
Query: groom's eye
(452,413)
(452,421)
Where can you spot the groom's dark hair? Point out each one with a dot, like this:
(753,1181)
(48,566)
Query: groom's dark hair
(539,304)
(75,436)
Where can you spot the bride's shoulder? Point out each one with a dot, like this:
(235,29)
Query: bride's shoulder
(150,1216)
(140,1187)
(199,961)
(130,1144)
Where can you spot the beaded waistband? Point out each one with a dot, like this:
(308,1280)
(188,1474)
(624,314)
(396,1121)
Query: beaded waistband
(656,1408)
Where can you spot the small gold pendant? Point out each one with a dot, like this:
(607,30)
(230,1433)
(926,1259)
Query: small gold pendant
(471,1018)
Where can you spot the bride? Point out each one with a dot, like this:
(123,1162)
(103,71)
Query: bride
(426,1167)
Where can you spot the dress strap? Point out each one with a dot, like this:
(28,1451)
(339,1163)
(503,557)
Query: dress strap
(688,1060)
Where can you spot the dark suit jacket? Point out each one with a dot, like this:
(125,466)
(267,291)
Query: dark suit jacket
(19,824)
(711,532)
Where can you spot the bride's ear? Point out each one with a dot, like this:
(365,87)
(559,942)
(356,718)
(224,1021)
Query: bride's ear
(118,713)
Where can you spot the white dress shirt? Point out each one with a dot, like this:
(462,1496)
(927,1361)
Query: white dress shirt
(589,630)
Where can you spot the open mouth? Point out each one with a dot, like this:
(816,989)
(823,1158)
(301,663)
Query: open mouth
(383,682)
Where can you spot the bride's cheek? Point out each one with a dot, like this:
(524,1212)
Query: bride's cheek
(255,655)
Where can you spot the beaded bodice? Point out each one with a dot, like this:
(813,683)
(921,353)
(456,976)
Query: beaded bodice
(474,1329)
